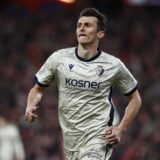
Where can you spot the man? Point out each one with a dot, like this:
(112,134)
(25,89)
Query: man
(11,145)
(85,76)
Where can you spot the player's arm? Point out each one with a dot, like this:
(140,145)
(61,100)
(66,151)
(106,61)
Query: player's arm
(33,100)
(131,110)
(113,134)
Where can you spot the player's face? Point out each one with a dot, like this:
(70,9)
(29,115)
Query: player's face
(87,30)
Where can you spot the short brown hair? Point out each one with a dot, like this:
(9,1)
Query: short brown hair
(89,12)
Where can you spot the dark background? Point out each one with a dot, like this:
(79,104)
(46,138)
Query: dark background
(31,30)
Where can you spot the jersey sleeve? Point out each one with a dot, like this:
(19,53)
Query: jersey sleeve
(124,80)
(47,72)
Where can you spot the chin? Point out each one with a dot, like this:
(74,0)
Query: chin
(83,42)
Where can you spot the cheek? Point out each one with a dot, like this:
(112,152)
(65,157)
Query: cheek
(93,33)
(77,31)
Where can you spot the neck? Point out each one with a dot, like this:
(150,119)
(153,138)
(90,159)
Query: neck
(87,52)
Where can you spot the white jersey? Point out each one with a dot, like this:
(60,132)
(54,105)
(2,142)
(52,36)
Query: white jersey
(85,87)
(11,145)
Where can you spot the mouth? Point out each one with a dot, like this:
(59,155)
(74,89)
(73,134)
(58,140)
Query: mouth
(82,35)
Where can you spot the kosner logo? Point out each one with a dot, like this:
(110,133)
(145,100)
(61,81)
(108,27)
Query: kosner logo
(82,83)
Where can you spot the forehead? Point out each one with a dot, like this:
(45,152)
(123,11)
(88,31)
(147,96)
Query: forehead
(86,19)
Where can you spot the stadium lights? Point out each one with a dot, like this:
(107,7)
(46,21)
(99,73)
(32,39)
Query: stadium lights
(68,1)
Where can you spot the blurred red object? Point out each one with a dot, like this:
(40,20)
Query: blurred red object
(33,5)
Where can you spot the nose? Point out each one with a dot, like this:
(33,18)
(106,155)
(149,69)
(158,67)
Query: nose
(82,27)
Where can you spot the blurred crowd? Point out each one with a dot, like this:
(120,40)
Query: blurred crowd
(28,38)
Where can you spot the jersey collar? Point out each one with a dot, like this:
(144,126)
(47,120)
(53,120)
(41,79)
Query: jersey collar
(87,60)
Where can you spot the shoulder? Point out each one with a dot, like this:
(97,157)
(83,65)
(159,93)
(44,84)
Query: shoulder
(109,58)
(61,54)
(64,51)
(11,130)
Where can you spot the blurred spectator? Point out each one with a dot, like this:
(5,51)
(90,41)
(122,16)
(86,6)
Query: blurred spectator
(11,145)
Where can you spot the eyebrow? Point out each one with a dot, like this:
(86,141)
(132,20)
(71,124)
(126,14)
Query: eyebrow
(85,23)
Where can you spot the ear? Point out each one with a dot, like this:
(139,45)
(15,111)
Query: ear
(100,34)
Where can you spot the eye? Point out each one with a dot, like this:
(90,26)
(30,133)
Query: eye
(87,24)
(79,25)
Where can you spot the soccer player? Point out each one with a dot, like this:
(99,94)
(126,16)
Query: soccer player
(11,144)
(85,76)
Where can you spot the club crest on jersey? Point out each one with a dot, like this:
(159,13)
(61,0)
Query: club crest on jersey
(71,66)
(100,70)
